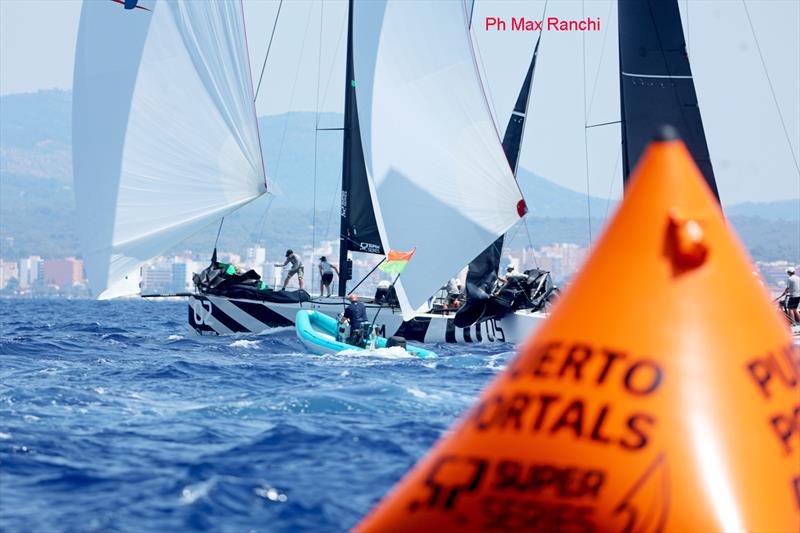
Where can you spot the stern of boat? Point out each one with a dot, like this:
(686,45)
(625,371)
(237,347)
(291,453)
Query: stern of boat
(217,315)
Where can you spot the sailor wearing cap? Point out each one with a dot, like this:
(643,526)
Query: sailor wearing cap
(297,268)
(792,293)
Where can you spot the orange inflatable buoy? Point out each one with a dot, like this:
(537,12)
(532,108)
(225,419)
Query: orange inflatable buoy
(662,394)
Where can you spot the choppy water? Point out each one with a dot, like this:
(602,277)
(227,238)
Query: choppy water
(113,417)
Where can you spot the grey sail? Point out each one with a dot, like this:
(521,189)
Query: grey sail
(656,85)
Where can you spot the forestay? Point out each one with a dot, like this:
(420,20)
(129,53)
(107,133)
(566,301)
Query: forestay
(165,140)
(438,176)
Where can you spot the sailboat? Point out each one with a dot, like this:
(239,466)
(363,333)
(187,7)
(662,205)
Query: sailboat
(165,138)
(423,165)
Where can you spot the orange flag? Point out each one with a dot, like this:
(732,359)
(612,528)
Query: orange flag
(662,394)
(396,261)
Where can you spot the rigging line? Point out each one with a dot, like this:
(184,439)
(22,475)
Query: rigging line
(293,94)
(614,179)
(269,46)
(316,144)
(511,238)
(219,230)
(365,277)
(530,242)
(471,12)
(600,61)
(585,129)
(291,103)
(337,193)
(603,124)
(771,88)
(333,64)
(264,218)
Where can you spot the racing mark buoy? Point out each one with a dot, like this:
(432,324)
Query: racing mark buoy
(662,394)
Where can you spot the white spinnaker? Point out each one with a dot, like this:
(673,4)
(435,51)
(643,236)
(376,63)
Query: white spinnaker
(438,176)
(165,140)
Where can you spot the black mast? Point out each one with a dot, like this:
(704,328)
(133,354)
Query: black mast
(359,231)
(656,85)
(349,101)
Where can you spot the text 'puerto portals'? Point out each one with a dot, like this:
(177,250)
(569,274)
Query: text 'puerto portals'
(548,24)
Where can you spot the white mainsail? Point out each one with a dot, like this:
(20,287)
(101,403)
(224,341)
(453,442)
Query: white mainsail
(165,139)
(438,176)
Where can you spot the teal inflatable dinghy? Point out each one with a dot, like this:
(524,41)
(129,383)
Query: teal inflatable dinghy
(320,334)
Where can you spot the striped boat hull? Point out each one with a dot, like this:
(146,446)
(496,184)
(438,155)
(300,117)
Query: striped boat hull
(217,315)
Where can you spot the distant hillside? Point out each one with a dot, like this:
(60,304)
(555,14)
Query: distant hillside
(37,206)
(35,134)
(781,210)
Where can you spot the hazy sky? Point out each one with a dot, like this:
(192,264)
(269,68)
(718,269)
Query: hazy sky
(749,149)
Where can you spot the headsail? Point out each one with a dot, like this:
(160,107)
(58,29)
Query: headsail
(656,85)
(438,177)
(165,139)
(487,263)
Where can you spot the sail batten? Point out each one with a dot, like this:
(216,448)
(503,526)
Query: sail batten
(165,139)
(438,177)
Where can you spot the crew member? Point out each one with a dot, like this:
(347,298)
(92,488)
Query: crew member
(326,271)
(453,289)
(511,273)
(792,293)
(356,312)
(297,268)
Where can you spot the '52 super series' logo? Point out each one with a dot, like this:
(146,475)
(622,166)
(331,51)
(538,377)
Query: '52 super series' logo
(130,4)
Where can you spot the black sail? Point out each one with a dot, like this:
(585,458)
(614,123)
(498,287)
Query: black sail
(359,231)
(512,140)
(656,85)
(486,264)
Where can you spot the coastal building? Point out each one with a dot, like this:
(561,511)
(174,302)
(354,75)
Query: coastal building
(30,271)
(157,278)
(255,257)
(62,272)
(8,271)
(180,274)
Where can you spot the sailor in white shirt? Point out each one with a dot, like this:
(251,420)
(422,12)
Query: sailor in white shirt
(792,293)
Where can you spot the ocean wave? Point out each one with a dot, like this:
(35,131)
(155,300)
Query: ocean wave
(395,352)
(244,343)
(112,418)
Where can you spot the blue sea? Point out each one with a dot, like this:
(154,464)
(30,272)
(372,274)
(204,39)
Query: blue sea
(115,417)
